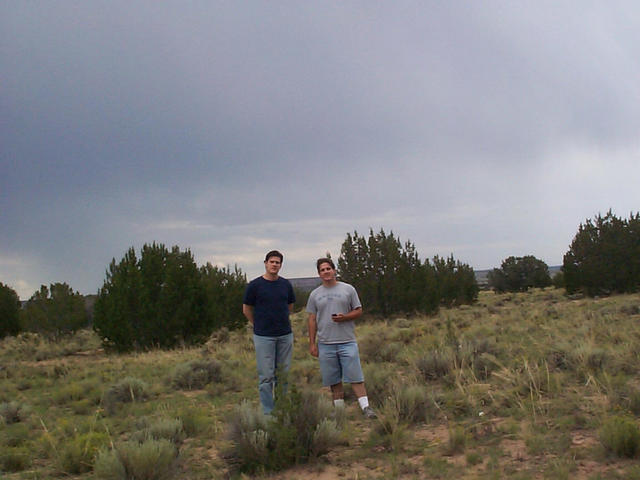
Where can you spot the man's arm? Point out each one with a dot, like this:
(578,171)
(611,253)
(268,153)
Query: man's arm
(313,328)
(247,311)
(291,308)
(345,317)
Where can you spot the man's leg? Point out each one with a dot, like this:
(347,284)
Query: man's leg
(359,390)
(352,373)
(266,364)
(337,391)
(284,350)
(331,372)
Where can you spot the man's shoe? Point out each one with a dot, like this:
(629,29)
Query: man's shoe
(369,413)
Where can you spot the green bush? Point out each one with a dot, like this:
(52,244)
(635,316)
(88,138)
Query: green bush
(78,454)
(9,311)
(302,297)
(163,299)
(150,460)
(457,440)
(67,393)
(196,374)
(434,365)
(15,435)
(128,390)
(518,274)
(634,401)
(604,256)
(390,277)
(456,282)
(12,412)
(389,431)
(167,428)
(412,403)
(194,420)
(55,311)
(379,380)
(109,467)
(558,280)
(621,436)
(14,459)
(302,427)
(249,439)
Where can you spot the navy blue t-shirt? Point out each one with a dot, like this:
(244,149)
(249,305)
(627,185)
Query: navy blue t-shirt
(270,300)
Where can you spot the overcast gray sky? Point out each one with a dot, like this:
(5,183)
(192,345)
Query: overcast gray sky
(478,129)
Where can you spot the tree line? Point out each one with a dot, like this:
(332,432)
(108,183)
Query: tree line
(390,277)
(161,298)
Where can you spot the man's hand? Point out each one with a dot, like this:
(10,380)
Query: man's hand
(313,349)
(339,317)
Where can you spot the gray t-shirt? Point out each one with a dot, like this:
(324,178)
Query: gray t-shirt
(323,301)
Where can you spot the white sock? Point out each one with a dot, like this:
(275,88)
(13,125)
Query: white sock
(364,402)
(338,402)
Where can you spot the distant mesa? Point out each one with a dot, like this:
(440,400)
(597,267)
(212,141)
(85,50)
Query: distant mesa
(306,284)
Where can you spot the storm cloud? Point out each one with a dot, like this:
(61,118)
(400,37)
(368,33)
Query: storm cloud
(482,129)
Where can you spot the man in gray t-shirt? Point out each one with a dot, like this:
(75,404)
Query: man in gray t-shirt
(332,308)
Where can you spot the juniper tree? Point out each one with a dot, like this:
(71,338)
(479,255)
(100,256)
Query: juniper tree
(604,256)
(55,311)
(518,274)
(9,311)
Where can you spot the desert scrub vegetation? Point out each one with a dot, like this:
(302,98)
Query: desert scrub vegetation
(127,390)
(196,374)
(303,426)
(490,390)
(621,436)
(34,346)
(12,412)
(150,460)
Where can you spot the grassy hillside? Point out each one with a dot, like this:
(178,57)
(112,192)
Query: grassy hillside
(521,386)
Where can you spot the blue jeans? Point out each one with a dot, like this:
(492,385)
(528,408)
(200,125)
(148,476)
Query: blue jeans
(271,353)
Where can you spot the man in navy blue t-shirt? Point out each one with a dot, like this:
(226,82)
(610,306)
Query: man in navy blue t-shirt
(267,302)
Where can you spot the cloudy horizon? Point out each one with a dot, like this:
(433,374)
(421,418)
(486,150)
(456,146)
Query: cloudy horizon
(482,130)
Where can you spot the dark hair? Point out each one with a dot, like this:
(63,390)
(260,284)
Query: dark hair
(324,260)
(273,253)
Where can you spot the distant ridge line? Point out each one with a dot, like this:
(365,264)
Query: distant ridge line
(306,284)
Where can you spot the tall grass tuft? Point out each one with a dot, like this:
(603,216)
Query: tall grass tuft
(78,454)
(457,440)
(14,459)
(379,381)
(166,428)
(434,365)
(196,374)
(621,436)
(149,460)
(411,403)
(389,431)
(12,412)
(128,390)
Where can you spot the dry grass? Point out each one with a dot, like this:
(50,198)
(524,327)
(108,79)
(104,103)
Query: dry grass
(516,386)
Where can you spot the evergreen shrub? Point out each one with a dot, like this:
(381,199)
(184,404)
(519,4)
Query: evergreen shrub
(604,256)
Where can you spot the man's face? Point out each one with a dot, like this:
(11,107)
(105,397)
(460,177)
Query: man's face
(272,265)
(326,272)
